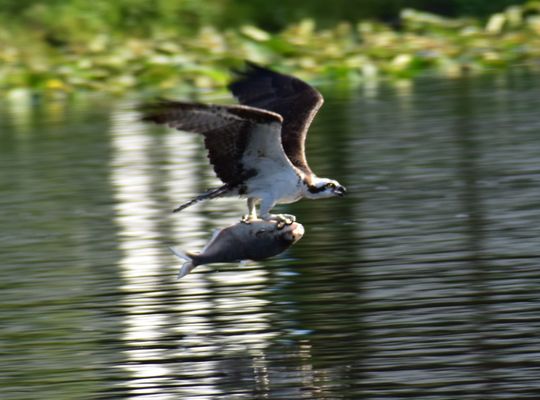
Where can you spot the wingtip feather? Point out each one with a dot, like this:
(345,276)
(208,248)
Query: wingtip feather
(250,69)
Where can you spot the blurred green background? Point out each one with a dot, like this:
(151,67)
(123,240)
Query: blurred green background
(77,17)
(64,45)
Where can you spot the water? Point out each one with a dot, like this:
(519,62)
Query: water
(422,283)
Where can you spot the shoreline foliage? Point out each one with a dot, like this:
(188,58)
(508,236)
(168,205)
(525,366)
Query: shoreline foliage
(166,59)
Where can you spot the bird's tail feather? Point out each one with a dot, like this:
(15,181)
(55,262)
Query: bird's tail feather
(187,266)
(209,194)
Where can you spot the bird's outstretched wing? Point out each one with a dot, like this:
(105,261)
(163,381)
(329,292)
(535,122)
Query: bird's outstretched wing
(236,137)
(296,101)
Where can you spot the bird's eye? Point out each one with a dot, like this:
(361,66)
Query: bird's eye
(330,185)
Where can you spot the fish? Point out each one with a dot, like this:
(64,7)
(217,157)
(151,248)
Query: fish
(256,240)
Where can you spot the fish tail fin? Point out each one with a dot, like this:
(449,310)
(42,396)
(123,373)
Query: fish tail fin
(209,194)
(187,266)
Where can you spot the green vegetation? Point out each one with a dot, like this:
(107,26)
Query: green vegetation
(136,44)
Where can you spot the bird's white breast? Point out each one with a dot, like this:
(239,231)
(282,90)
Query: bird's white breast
(283,186)
(276,177)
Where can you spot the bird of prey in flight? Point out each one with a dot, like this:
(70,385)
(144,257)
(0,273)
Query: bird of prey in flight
(257,148)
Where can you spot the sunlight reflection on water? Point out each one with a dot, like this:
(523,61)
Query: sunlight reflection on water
(137,216)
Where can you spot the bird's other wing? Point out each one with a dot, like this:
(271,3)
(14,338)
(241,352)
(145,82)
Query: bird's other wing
(232,134)
(296,101)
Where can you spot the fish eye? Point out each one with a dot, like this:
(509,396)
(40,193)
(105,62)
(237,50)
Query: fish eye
(330,185)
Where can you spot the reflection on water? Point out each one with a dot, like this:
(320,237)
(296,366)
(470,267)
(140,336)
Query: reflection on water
(137,218)
(421,283)
(149,320)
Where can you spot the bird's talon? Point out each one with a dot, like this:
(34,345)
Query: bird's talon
(248,218)
(289,219)
(283,219)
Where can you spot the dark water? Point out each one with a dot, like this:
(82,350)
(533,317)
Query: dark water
(423,283)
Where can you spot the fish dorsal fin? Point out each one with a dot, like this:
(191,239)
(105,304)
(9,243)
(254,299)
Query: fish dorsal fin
(212,239)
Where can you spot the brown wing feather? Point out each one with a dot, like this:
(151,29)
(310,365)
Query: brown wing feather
(226,131)
(296,101)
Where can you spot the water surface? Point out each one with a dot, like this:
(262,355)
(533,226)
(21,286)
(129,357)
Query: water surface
(422,283)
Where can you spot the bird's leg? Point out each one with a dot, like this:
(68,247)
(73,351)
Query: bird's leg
(252,210)
(282,219)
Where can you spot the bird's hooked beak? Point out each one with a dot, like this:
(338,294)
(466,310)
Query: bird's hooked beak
(340,191)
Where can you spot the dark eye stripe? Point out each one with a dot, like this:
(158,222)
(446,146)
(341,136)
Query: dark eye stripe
(315,189)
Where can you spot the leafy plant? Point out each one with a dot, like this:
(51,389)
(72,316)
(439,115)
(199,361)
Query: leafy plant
(136,46)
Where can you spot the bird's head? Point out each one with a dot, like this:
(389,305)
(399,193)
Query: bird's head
(320,188)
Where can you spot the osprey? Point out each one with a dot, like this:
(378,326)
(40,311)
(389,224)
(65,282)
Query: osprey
(257,148)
